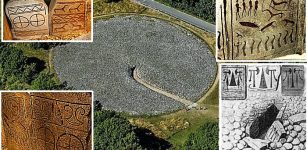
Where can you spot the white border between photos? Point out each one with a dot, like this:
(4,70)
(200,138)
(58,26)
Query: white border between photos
(50,91)
(252,63)
(41,41)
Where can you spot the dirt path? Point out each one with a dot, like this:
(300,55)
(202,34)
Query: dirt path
(139,79)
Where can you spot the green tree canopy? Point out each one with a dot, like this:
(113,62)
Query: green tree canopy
(113,132)
(205,138)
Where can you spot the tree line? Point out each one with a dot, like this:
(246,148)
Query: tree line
(204,9)
(19,72)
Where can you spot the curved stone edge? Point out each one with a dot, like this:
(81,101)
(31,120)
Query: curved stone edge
(138,78)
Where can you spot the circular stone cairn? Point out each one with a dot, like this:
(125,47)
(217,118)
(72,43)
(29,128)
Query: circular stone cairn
(166,56)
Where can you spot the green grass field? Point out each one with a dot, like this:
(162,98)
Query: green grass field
(174,127)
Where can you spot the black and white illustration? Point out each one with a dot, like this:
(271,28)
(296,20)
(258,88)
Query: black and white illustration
(233,82)
(273,114)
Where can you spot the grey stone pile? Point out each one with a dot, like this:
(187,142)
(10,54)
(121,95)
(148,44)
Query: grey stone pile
(236,115)
(166,55)
(295,138)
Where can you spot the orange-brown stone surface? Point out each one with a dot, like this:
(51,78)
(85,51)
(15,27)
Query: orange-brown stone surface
(69,17)
(57,120)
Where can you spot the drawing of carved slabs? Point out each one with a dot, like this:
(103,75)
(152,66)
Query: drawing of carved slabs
(28,18)
(263,77)
(68,17)
(233,81)
(293,80)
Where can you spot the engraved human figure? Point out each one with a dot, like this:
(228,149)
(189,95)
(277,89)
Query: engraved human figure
(250,8)
(256,8)
(244,8)
(237,10)
(243,48)
(238,47)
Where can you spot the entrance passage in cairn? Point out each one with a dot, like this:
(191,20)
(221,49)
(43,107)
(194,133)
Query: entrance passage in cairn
(166,56)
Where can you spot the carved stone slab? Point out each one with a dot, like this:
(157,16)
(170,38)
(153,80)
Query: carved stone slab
(46,120)
(293,80)
(275,132)
(263,77)
(28,18)
(68,17)
(259,29)
(233,82)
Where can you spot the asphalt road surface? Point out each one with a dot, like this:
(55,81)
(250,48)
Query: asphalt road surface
(180,15)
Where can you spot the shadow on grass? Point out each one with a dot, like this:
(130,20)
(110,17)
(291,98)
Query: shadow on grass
(149,141)
(40,65)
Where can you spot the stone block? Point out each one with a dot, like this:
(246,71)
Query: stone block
(46,120)
(233,82)
(68,17)
(256,29)
(28,18)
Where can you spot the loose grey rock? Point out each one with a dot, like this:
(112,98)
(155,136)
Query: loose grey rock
(288,146)
(283,148)
(297,128)
(236,125)
(289,139)
(296,141)
(166,55)
(302,146)
(290,127)
(293,134)
(227,145)
(286,123)
(240,145)
(279,144)
(296,148)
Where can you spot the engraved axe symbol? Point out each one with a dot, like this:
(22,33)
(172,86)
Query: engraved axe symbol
(253,74)
(239,76)
(272,72)
(226,77)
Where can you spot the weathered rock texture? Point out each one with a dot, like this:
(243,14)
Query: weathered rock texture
(28,18)
(7,34)
(167,56)
(69,17)
(35,121)
(256,29)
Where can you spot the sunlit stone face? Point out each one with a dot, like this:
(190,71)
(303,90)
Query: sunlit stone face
(28,18)
(67,17)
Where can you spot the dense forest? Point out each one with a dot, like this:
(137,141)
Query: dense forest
(19,72)
(205,138)
(112,131)
(204,9)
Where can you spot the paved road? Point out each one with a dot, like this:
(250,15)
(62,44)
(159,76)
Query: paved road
(180,15)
